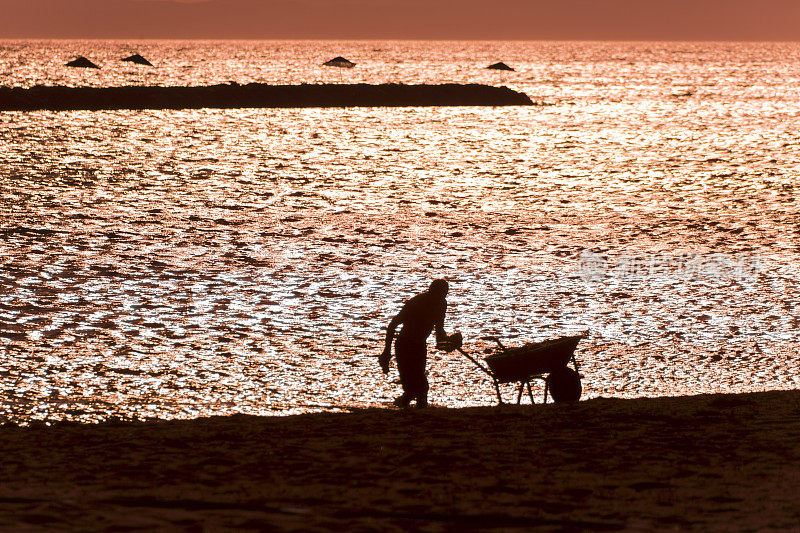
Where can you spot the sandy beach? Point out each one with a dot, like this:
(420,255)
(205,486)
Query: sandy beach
(711,462)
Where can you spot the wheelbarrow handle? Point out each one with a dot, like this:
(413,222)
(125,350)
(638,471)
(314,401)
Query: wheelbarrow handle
(495,339)
(475,361)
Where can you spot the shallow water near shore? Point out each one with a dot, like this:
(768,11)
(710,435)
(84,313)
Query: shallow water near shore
(173,264)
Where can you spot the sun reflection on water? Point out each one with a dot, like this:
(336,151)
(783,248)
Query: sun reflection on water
(186,263)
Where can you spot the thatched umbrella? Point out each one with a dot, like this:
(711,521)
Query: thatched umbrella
(139,60)
(340,62)
(500,66)
(81,62)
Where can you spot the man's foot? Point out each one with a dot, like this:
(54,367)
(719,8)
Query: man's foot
(402,401)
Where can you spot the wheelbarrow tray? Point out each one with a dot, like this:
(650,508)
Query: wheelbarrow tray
(519,364)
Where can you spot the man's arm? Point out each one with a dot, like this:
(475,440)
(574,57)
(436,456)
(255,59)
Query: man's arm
(386,356)
(441,334)
(390,333)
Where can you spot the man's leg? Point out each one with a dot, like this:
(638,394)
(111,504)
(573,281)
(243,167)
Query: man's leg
(411,365)
(422,394)
(401,354)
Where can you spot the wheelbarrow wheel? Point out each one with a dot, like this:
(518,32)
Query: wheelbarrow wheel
(564,385)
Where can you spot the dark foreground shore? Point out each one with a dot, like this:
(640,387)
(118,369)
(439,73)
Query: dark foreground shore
(721,462)
(256,95)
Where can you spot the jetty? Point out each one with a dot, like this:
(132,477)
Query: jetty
(255,95)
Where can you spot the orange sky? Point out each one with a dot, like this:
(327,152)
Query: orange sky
(404,19)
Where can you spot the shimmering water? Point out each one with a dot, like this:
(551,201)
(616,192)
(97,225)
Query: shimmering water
(186,263)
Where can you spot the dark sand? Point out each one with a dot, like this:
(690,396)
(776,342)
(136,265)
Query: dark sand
(720,462)
(256,95)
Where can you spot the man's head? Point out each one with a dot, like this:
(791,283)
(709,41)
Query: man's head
(439,288)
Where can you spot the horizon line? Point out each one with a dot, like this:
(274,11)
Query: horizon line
(394,39)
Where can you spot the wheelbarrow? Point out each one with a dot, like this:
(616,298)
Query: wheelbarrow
(546,360)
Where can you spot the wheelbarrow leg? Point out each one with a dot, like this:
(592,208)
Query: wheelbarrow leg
(530,392)
(521,390)
(546,388)
(497,390)
(575,364)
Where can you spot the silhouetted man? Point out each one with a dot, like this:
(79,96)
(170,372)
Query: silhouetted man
(419,316)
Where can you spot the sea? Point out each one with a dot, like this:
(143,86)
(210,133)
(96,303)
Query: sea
(175,264)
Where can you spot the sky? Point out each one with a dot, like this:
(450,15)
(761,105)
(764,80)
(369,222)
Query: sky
(734,20)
